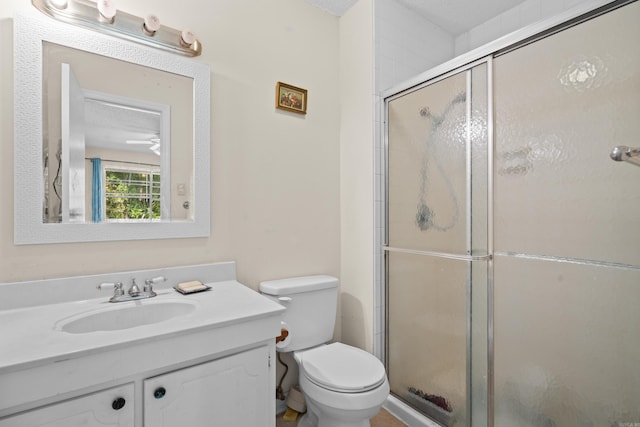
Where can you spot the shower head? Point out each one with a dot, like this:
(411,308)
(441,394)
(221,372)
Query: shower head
(623,153)
(425,112)
(437,120)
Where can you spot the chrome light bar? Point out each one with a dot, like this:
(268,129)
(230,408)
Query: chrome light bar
(102,17)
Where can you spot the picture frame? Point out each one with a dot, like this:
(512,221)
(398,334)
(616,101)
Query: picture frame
(291,98)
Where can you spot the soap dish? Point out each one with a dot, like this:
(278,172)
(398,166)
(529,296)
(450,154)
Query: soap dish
(193,290)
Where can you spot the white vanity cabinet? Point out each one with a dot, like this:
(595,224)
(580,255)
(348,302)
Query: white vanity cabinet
(211,365)
(112,407)
(235,390)
(231,391)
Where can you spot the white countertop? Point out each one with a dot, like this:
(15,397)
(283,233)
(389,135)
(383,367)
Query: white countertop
(29,338)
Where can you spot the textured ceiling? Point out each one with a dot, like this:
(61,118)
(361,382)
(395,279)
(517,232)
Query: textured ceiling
(336,7)
(453,16)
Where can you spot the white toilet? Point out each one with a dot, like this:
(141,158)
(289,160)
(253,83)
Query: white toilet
(343,385)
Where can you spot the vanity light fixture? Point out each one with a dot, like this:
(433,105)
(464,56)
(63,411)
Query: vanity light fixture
(151,25)
(187,38)
(103,16)
(106,10)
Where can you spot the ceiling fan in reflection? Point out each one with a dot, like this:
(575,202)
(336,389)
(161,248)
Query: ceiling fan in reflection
(153,143)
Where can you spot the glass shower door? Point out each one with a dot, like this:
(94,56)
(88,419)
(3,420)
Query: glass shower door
(567,234)
(436,253)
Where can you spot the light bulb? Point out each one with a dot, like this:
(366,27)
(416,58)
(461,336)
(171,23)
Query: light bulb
(59,4)
(107,9)
(151,24)
(187,37)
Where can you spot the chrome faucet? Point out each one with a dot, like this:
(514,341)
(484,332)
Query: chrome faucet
(134,292)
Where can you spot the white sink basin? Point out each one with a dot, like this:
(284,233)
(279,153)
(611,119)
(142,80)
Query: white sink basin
(125,315)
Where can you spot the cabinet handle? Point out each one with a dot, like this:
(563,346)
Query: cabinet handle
(118,403)
(159,392)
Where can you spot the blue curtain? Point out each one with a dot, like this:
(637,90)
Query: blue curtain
(96,191)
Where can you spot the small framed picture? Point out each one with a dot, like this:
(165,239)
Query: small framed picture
(291,98)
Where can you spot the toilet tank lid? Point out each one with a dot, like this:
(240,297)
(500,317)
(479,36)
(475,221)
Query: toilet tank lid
(296,285)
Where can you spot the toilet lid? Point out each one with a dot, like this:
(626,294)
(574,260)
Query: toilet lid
(343,368)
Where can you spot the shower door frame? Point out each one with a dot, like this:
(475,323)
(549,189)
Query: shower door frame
(485,54)
(469,258)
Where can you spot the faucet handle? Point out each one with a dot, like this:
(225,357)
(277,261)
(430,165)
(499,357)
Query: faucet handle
(148,284)
(118,287)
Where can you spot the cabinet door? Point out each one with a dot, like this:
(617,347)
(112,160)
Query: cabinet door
(232,391)
(112,407)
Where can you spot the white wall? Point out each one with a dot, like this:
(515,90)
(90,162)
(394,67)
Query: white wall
(356,174)
(406,44)
(275,175)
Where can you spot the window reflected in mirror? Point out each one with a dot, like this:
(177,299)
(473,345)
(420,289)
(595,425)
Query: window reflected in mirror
(135,120)
(131,194)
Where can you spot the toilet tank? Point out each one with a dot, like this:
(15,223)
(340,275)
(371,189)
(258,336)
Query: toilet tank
(310,314)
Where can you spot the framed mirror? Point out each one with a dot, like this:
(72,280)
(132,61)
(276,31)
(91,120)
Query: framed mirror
(111,138)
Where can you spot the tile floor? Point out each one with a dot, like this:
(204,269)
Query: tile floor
(382,419)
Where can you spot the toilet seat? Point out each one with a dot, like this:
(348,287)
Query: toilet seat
(342,368)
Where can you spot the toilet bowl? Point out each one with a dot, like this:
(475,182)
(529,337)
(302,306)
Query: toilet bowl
(343,386)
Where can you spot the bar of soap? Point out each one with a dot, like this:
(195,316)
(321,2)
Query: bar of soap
(194,285)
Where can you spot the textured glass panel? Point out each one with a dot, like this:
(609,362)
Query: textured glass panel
(478,319)
(437,311)
(427,331)
(562,104)
(567,344)
(427,168)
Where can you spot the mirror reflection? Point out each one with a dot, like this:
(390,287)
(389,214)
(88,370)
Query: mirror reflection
(118,140)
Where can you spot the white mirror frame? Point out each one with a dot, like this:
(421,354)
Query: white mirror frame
(30,31)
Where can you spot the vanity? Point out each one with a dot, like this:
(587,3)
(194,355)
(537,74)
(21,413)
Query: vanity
(70,358)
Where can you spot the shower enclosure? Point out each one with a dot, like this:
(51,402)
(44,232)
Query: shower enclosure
(512,255)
